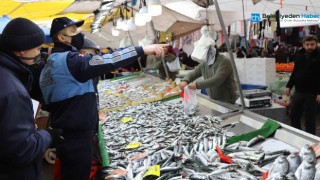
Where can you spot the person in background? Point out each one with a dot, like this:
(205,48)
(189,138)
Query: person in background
(90,48)
(281,54)
(107,75)
(68,91)
(21,145)
(156,63)
(240,53)
(251,53)
(187,60)
(292,54)
(305,79)
(265,53)
(218,78)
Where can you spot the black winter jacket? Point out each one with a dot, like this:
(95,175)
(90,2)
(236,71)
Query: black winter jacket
(21,145)
(306,73)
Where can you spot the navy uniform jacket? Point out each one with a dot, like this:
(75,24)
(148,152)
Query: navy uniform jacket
(67,88)
(21,145)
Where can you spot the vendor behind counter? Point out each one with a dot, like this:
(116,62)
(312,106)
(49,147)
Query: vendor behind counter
(154,63)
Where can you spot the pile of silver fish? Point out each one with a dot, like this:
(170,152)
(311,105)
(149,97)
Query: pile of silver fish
(138,94)
(110,85)
(109,101)
(297,166)
(184,147)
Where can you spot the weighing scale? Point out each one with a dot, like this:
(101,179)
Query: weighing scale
(256,98)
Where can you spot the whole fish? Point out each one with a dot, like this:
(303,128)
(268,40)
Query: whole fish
(306,171)
(281,165)
(291,176)
(277,176)
(198,176)
(294,162)
(255,140)
(307,152)
(317,174)
(246,174)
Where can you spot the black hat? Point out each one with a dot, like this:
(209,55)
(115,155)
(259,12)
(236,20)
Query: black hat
(60,23)
(88,44)
(22,34)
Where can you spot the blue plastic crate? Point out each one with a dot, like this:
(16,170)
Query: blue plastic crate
(203,91)
(251,87)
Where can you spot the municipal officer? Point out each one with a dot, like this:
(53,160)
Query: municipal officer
(66,84)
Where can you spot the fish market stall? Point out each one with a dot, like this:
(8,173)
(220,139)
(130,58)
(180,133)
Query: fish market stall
(159,141)
(133,90)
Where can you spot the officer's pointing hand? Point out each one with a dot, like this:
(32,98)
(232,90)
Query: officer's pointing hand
(155,49)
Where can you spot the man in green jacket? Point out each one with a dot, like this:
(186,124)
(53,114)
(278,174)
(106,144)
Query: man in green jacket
(218,79)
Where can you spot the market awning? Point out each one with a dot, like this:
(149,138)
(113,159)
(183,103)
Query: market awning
(33,9)
(43,12)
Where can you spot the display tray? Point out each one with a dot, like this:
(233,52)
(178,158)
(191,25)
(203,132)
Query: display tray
(284,138)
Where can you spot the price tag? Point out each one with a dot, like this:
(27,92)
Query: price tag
(108,91)
(126,119)
(133,145)
(118,95)
(153,170)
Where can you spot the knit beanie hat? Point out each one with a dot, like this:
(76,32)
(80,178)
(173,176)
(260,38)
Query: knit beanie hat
(22,34)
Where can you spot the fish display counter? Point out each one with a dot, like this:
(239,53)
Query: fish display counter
(158,140)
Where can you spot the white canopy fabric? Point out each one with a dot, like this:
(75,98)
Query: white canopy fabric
(190,9)
(270,6)
(169,21)
(182,16)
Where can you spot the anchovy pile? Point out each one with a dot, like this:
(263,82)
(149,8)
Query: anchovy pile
(109,101)
(110,85)
(138,94)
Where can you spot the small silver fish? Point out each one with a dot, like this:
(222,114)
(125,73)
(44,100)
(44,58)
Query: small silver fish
(255,140)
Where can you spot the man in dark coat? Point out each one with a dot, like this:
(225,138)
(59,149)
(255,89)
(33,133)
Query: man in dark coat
(305,79)
(21,145)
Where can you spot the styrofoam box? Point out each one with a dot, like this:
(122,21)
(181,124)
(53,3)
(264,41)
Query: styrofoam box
(240,64)
(256,71)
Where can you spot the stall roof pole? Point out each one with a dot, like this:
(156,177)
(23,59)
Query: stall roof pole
(162,58)
(244,26)
(223,27)
(129,35)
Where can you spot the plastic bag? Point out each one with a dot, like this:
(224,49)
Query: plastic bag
(202,46)
(174,66)
(190,100)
